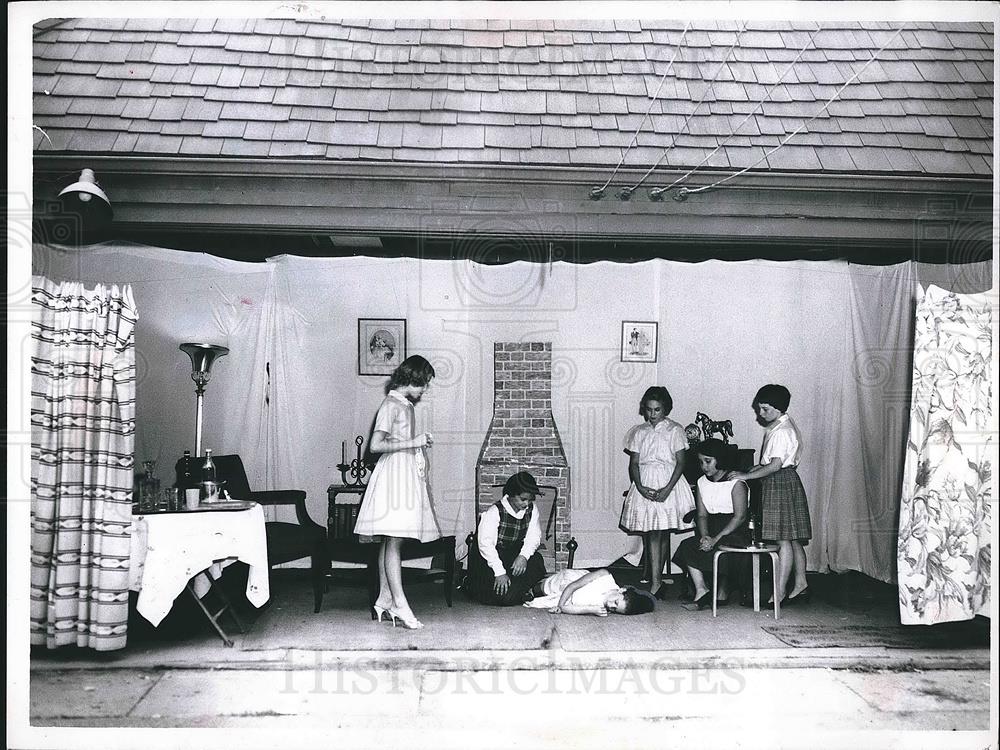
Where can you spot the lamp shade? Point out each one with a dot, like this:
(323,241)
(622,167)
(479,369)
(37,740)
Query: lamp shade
(202,356)
(87,202)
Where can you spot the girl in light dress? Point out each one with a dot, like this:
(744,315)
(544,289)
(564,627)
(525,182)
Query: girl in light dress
(397,503)
(579,592)
(659,496)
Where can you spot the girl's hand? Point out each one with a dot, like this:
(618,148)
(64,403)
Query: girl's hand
(424,440)
(706,543)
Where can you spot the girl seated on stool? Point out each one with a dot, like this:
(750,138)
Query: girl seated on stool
(722,516)
(577,592)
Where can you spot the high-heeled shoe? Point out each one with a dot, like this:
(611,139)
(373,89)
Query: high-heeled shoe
(378,611)
(704,601)
(803,597)
(410,622)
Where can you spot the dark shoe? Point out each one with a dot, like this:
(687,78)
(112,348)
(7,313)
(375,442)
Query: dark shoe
(686,595)
(725,602)
(704,601)
(802,597)
(661,594)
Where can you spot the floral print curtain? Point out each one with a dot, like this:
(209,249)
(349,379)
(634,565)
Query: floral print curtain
(82,445)
(943,554)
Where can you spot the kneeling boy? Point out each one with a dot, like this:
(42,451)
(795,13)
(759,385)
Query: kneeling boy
(504,563)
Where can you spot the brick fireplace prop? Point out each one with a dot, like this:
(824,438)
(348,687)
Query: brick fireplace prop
(523,437)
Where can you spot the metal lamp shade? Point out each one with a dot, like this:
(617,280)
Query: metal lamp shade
(202,356)
(85,199)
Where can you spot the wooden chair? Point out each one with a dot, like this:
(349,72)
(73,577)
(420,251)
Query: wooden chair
(286,542)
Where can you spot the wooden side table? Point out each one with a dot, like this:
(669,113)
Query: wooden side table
(343,545)
(366,553)
(340,517)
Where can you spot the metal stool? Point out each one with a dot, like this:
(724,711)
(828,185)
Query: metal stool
(770,549)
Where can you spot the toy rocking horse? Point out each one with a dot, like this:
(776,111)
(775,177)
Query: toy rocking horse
(710,427)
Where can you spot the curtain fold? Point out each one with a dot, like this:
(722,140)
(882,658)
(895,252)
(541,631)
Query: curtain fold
(859,516)
(945,519)
(82,447)
(267,431)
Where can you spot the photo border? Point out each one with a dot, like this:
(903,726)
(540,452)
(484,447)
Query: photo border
(398,327)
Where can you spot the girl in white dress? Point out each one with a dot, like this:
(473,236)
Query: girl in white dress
(659,496)
(397,502)
(579,592)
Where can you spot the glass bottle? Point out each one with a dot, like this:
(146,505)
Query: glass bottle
(754,539)
(184,471)
(208,481)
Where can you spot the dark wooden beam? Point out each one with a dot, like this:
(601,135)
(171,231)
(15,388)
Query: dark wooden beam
(306,198)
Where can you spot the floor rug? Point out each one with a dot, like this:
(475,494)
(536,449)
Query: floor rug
(972,634)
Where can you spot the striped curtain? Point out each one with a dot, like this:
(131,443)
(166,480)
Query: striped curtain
(82,444)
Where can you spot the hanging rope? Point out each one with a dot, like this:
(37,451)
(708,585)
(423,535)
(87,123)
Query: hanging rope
(655,193)
(597,192)
(684,192)
(627,192)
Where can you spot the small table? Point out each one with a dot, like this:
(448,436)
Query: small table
(343,544)
(171,552)
(366,553)
(754,552)
(340,517)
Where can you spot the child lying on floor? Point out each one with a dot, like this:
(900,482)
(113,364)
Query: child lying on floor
(578,592)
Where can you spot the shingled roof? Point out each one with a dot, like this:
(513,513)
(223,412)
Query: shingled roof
(514,92)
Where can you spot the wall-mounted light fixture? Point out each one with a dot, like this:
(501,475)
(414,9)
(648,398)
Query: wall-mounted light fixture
(86,199)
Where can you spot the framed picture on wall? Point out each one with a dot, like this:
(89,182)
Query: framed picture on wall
(381,345)
(639,339)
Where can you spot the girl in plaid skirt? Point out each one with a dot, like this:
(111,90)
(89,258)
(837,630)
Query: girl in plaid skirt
(784,510)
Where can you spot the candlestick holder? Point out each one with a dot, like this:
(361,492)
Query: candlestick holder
(358,469)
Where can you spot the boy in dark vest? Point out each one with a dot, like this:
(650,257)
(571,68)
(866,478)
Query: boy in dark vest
(504,562)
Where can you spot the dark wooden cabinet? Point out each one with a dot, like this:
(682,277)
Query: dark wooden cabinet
(341,517)
(343,545)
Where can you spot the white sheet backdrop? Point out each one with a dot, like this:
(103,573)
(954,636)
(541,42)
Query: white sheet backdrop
(289,392)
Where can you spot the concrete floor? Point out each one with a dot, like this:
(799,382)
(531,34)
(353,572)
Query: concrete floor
(523,677)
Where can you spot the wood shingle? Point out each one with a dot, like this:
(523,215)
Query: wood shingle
(523,91)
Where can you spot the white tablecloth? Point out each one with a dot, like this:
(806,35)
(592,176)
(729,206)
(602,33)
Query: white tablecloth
(169,549)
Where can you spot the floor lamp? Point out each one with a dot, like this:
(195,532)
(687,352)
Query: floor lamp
(202,356)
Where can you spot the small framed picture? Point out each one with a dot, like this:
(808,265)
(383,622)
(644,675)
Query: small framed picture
(381,345)
(639,340)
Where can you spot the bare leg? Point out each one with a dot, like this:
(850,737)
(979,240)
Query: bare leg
(664,558)
(700,587)
(384,600)
(785,562)
(722,593)
(394,573)
(655,560)
(799,558)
